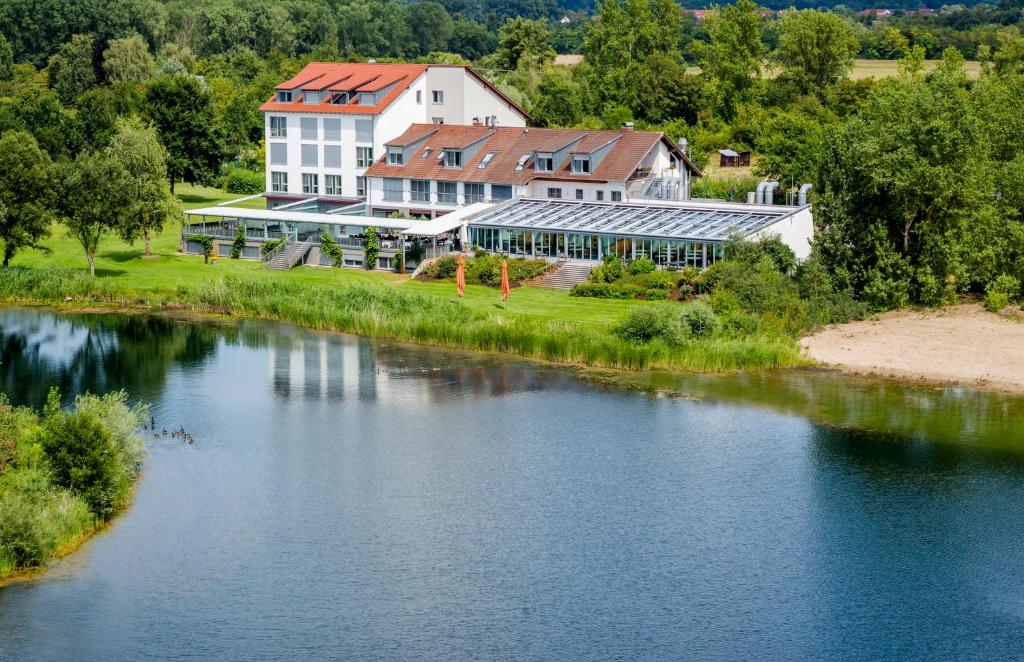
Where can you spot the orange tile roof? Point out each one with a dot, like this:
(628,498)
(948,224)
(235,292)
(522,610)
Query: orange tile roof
(510,144)
(349,77)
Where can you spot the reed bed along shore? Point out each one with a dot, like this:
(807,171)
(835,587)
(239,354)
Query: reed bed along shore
(383,312)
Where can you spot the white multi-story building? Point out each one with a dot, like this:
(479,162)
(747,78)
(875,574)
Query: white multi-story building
(325,126)
(430,170)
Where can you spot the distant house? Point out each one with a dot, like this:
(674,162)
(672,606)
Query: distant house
(326,125)
(697,14)
(568,59)
(728,158)
(877,13)
(565,20)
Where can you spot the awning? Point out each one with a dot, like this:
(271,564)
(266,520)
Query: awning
(447,223)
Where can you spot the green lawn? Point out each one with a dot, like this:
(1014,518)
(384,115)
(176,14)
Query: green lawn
(168,269)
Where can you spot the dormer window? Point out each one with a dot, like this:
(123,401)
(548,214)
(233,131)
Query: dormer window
(311,97)
(544,163)
(395,156)
(581,163)
(339,98)
(487,159)
(452,158)
(367,99)
(284,96)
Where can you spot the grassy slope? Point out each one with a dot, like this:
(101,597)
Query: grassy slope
(124,264)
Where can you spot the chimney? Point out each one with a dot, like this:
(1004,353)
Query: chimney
(476,121)
(627,126)
(371,61)
(684,146)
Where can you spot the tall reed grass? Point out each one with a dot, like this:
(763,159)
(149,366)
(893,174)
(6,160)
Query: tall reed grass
(384,312)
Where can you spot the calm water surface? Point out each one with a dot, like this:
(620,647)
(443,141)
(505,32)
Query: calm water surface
(347,499)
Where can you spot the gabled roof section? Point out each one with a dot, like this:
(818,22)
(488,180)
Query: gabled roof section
(626,151)
(387,80)
(414,134)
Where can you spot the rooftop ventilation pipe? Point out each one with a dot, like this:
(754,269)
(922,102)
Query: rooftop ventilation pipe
(769,193)
(759,193)
(801,197)
(628,126)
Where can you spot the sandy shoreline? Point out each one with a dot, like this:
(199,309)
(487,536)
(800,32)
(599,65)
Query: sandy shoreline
(961,345)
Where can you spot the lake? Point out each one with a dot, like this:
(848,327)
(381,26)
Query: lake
(354,499)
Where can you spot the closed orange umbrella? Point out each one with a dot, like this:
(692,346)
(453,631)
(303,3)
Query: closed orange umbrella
(460,277)
(504,280)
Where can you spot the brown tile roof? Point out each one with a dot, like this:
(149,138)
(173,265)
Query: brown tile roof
(510,144)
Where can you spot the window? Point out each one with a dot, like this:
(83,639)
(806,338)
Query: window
(395,156)
(600,196)
(367,99)
(448,192)
(522,161)
(393,189)
(339,98)
(278,127)
(332,156)
(419,96)
(616,196)
(278,154)
(581,163)
(437,97)
(579,194)
(279,182)
(307,128)
(501,192)
(364,157)
(284,96)
(310,156)
(361,187)
(554,193)
(311,97)
(426,153)
(487,159)
(310,183)
(420,190)
(544,163)
(437,120)
(332,184)
(364,131)
(452,158)
(332,129)
(474,193)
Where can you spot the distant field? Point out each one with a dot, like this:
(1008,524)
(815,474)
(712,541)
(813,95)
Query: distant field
(861,68)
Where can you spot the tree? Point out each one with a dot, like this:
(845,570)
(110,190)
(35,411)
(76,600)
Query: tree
(521,38)
(128,60)
(733,58)
(560,100)
(6,59)
(136,148)
(95,194)
(26,192)
(789,148)
(71,68)
(181,108)
(472,40)
(100,107)
(816,48)
(430,27)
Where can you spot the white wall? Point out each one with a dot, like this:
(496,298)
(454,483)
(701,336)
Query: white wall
(796,231)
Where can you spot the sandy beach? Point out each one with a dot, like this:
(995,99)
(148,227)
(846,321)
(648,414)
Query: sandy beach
(964,345)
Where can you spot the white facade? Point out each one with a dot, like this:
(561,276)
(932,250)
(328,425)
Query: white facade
(324,145)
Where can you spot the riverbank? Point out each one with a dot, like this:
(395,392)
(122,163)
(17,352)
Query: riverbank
(962,345)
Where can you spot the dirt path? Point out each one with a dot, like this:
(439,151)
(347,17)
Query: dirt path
(963,344)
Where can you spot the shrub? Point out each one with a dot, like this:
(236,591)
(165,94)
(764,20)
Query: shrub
(123,423)
(84,458)
(643,265)
(330,248)
(205,241)
(646,323)
(239,242)
(36,519)
(996,300)
(244,181)
(270,245)
(486,269)
(372,248)
(605,290)
(700,320)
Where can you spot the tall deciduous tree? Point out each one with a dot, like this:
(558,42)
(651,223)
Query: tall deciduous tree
(6,59)
(95,194)
(816,48)
(128,60)
(136,148)
(430,26)
(522,39)
(26,193)
(181,108)
(71,68)
(734,57)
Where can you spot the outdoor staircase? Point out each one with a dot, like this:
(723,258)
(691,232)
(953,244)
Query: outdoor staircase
(565,275)
(289,254)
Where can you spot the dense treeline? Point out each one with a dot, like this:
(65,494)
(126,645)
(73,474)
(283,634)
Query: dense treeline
(915,177)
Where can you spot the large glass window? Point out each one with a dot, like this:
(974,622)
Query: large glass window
(448,192)
(452,158)
(361,186)
(474,192)
(364,157)
(332,184)
(308,128)
(310,156)
(278,127)
(310,183)
(393,189)
(279,182)
(420,190)
(554,193)
(501,192)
